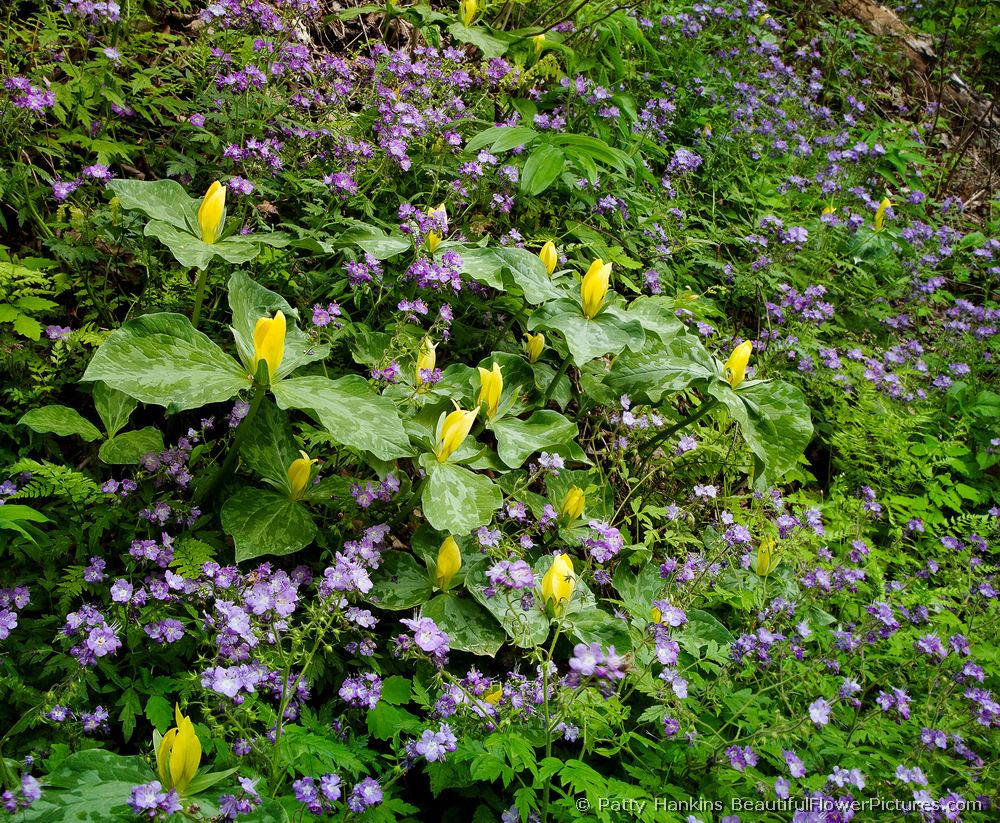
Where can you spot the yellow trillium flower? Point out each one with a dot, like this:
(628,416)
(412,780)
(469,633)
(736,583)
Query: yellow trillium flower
(452,431)
(212,212)
(594,287)
(493,695)
(559,581)
(490,389)
(736,365)
(655,614)
(829,209)
(880,213)
(426,359)
(179,755)
(549,256)
(768,557)
(534,346)
(269,343)
(433,237)
(572,505)
(539,42)
(449,561)
(298,474)
(467,9)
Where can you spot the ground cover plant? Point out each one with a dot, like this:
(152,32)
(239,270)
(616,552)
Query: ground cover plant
(491,412)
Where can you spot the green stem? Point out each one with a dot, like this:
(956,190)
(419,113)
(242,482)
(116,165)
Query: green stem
(558,376)
(199,296)
(701,411)
(548,717)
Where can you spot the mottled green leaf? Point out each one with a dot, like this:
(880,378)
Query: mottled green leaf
(263,522)
(518,439)
(128,447)
(113,406)
(61,420)
(662,367)
(162,359)
(401,582)
(469,627)
(192,251)
(456,500)
(350,411)
(608,333)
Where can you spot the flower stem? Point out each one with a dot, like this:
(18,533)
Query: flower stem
(199,296)
(558,376)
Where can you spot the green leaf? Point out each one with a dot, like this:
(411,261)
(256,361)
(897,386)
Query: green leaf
(311,753)
(595,626)
(262,522)
(582,144)
(477,36)
(775,423)
(249,301)
(528,272)
(701,629)
(661,368)
(656,313)
(160,713)
(608,333)
(27,327)
(468,626)
(541,169)
(526,629)
(193,252)
(113,406)
(396,690)
(639,590)
(270,447)
(162,359)
(162,200)
(374,241)
(456,500)
(386,721)
(500,138)
(350,411)
(129,447)
(61,420)
(482,265)
(13,514)
(517,439)
(91,785)
(400,582)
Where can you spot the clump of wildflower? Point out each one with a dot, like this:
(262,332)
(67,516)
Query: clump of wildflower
(152,802)
(432,746)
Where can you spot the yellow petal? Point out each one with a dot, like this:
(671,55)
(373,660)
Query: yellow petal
(736,365)
(490,389)
(594,287)
(452,432)
(298,474)
(269,342)
(573,503)
(548,254)
(426,359)
(185,756)
(559,581)
(212,212)
(163,757)
(534,346)
(449,561)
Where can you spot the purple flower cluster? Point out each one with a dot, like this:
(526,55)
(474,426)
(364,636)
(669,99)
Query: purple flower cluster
(152,802)
(362,691)
(427,637)
(591,662)
(97,637)
(28,792)
(11,602)
(433,746)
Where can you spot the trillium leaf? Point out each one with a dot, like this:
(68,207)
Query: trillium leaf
(270,447)
(374,241)
(469,627)
(608,333)
(456,500)
(482,265)
(350,411)
(128,448)
(595,626)
(528,272)
(526,629)
(60,420)
(162,359)
(193,252)
(113,406)
(662,367)
(656,313)
(264,522)
(162,200)
(518,439)
(774,422)
(400,582)
(490,46)
(248,302)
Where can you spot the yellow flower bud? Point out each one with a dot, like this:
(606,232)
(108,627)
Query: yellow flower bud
(549,256)
(655,614)
(559,581)
(767,557)
(426,359)
(572,505)
(490,389)
(594,287)
(452,431)
(269,343)
(880,213)
(829,209)
(534,346)
(467,9)
(298,474)
(433,237)
(493,695)
(212,212)
(736,365)
(448,563)
(539,40)
(179,754)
